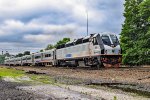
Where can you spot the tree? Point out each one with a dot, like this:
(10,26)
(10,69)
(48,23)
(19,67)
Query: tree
(63,41)
(19,55)
(27,53)
(49,47)
(143,43)
(41,50)
(7,54)
(135,33)
(2,58)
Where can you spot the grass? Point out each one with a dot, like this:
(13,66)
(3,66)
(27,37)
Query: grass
(43,79)
(13,73)
(10,72)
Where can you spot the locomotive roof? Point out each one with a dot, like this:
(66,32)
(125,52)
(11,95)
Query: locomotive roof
(107,33)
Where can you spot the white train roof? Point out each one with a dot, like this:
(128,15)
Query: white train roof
(107,33)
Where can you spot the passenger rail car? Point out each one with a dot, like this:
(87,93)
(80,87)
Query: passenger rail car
(48,57)
(94,50)
(18,61)
(44,58)
(27,60)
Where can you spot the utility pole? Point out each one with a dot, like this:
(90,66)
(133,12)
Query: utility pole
(87,16)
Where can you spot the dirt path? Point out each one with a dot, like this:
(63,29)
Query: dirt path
(58,92)
(72,92)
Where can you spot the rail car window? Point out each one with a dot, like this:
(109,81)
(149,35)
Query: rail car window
(29,58)
(24,59)
(79,41)
(114,39)
(69,44)
(48,55)
(37,57)
(86,40)
(60,46)
(106,40)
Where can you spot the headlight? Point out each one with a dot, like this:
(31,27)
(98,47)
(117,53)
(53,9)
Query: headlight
(120,52)
(105,51)
(113,51)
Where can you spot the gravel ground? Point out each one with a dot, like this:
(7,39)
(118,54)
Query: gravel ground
(18,91)
(107,95)
(72,92)
(140,75)
(8,91)
(59,93)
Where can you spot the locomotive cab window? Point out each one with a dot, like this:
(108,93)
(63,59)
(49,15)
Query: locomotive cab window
(106,40)
(114,39)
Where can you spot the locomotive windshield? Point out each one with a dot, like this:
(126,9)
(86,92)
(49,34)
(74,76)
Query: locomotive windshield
(110,40)
(106,40)
(114,39)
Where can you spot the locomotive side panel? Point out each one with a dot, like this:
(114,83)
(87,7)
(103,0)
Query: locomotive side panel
(73,52)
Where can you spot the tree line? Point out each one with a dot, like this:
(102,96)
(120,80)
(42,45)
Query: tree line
(135,35)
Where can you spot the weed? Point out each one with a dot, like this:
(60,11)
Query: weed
(10,72)
(115,98)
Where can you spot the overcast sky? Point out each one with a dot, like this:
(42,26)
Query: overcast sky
(32,24)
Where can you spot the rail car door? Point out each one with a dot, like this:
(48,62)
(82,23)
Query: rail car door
(54,57)
(32,57)
(100,42)
(97,45)
(98,48)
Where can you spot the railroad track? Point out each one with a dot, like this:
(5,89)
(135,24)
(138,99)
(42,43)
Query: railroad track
(127,68)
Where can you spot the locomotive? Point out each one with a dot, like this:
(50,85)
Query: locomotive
(98,49)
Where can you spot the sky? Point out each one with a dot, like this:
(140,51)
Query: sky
(29,25)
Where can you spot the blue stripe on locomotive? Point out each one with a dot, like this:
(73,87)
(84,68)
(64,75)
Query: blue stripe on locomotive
(68,55)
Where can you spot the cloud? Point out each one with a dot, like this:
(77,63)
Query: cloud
(35,23)
(17,27)
(38,38)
